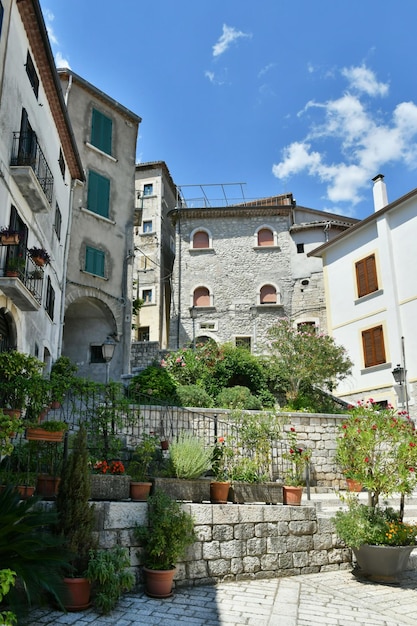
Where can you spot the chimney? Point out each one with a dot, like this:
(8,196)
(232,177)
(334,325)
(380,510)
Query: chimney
(380,192)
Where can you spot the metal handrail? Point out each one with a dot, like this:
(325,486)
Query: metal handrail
(26,151)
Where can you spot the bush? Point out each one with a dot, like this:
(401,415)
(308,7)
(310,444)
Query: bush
(189,457)
(109,573)
(154,381)
(194,395)
(238,398)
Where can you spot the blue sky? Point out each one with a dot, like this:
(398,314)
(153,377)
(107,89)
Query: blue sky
(312,97)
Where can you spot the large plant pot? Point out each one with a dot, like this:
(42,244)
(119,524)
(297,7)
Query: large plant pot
(47,486)
(110,487)
(382,563)
(185,490)
(40,434)
(77,594)
(269,493)
(353,485)
(139,491)
(219,492)
(292,495)
(158,583)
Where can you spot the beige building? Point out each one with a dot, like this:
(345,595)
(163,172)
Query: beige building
(98,296)
(238,268)
(156,195)
(39,167)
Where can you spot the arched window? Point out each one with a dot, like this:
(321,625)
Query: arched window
(201,297)
(201,240)
(268,295)
(265,237)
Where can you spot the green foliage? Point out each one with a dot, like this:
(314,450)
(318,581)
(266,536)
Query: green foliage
(20,374)
(238,398)
(9,425)
(7,580)
(298,457)
(51,426)
(154,381)
(191,367)
(190,458)
(378,448)
(62,377)
(247,470)
(75,514)
(107,421)
(361,524)
(301,356)
(193,395)
(145,455)
(28,548)
(170,530)
(108,572)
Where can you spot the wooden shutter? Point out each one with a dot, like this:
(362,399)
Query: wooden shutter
(101,131)
(366,277)
(373,346)
(201,297)
(268,295)
(98,194)
(201,239)
(265,237)
(94,261)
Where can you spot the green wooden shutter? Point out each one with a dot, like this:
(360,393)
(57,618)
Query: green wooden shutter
(94,261)
(101,131)
(98,199)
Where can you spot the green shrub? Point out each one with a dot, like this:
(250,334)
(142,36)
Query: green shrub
(194,395)
(108,572)
(154,381)
(238,398)
(189,456)
(247,471)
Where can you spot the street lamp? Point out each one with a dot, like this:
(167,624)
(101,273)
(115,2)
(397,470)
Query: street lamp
(107,350)
(193,315)
(400,374)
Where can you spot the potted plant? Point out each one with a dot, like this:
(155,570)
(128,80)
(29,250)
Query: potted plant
(221,461)
(23,482)
(62,378)
(51,430)
(39,256)
(164,540)
(110,577)
(15,266)
(9,236)
(383,457)
(76,521)
(109,480)
(298,458)
(139,467)
(10,425)
(20,374)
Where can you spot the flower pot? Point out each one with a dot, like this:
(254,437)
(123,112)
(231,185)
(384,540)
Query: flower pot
(139,491)
(77,594)
(197,490)
(24,491)
(12,273)
(38,260)
(40,434)
(353,485)
(269,492)
(382,563)
(292,495)
(12,412)
(55,404)
(164,445)
(158,583)
(219,492)
(47,486)
(10,240)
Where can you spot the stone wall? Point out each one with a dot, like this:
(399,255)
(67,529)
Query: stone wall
(142,354)
(236,542)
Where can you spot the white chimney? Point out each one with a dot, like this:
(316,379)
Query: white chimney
(380,192)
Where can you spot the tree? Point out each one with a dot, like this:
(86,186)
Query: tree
(301,356)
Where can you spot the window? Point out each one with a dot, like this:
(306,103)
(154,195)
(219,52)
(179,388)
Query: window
(58,222)
(31,72)
(268,295)
(148,189)
(1,15)
(96,354)
(373,346)
(366,278)
(101,131)
(98,199)
(201,297)
(143,333)
(50,299)
(300,248)
(61,163)
(265,237)
(201,240)
(147,296)
(147,226)
(94,261)
(243,342)
(307,326)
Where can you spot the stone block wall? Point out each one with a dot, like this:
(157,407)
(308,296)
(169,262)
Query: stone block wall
(235,542)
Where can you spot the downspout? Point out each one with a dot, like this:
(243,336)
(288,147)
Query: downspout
(179,280)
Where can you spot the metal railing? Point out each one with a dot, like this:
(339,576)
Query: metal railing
(27,152)
(23,268)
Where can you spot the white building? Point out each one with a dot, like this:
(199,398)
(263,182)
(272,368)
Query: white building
(371,299)
(39,164)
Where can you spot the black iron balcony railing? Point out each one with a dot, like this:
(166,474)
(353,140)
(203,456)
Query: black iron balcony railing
(27,152)
(24,269)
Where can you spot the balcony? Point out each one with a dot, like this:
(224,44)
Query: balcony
(21,280)
(31,172)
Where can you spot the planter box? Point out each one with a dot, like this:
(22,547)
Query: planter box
(40,434)
(382,563)
(268,493)
(186,490)
(110,487)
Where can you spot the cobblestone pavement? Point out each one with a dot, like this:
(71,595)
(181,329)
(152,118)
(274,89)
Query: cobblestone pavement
(334,598)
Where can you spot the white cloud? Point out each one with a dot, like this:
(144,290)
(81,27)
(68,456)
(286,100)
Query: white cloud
(266,69)
(60,61)
(229,36)
(365,141)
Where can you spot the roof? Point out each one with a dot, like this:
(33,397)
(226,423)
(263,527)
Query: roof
(149,165)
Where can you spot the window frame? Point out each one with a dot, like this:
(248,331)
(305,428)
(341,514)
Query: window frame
(373,346)
(50,299)
(32,74)
(147,230)
(366,275)
(147,190)
(58,221)
(145,292)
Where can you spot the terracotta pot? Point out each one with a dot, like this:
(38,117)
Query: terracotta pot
(382,563)
(47,486)
(219,492)
(292,495)
(158,583)
(140,491)
(77,594)
(10,240)
(12,412)
(12,273)
(164,445)
(38,260)
(353,485)
(24,491)
(40,434)
(55,404)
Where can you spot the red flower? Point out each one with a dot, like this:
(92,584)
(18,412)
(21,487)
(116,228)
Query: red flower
(366,459)
(292,429)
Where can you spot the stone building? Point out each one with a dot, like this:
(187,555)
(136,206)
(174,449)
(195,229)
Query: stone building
(238,268)
(156,194)
(98,297)
(39,167)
